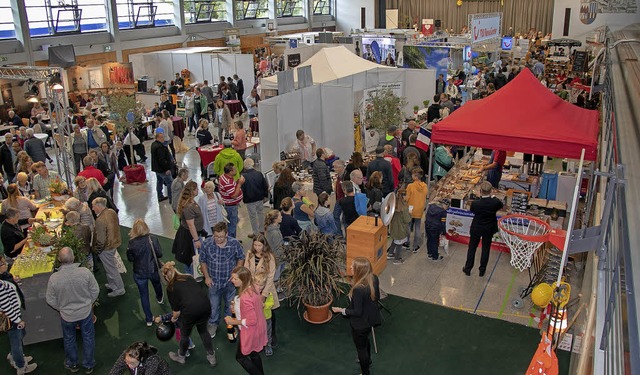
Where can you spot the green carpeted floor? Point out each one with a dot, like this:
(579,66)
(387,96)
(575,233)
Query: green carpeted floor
(417,338)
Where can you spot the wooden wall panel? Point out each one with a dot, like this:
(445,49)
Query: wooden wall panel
(96,59)
(127,52)
(220,42)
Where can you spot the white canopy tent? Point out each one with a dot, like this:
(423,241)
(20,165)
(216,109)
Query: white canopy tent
(329,64)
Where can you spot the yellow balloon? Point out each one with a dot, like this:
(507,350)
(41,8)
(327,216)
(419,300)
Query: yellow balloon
(459,2)
(542,294)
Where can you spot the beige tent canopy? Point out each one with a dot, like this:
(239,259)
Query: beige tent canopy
(329,64)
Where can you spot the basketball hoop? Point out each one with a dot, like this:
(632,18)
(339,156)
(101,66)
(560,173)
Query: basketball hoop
(524,235)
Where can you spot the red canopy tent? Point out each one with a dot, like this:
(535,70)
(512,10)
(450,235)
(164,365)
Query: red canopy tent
(523,116)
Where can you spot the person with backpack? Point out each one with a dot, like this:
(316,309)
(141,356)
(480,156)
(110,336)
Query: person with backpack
(399,229)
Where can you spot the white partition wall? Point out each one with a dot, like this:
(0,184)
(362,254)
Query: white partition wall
(163,65)
(324,112)
(337,119)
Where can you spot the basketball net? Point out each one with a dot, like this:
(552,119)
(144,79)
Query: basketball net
(524,235)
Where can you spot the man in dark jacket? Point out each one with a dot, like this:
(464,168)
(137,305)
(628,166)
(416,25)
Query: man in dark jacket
(7,157)
(167,104)
(435,225)
(484,225)
(320,173)
(161,163)
(433,112)
(255,191)
(240,89)
(380,164)
(422,154)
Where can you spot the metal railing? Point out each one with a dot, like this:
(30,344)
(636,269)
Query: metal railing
(615,348)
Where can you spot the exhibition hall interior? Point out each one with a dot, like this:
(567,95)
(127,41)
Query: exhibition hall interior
(319,186)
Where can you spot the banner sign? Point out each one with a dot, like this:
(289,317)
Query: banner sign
(459,226)
(293,60)
(484,27)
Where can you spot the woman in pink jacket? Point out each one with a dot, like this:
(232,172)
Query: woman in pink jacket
(250,319)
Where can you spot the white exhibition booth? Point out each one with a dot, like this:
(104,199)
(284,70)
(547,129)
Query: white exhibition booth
(202,62)
(326,110)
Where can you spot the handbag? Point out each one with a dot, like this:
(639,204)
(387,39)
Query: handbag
(223,211)
(119,263)
(5,323)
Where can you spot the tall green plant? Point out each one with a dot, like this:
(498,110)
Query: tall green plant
(384,109)
(67,238)
(120,105)
(315,265)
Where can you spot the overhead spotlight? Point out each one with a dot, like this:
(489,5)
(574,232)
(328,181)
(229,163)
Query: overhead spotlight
(33,99)
(55,81)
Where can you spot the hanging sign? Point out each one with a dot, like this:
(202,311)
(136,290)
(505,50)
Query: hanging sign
(484,27)
(293,60)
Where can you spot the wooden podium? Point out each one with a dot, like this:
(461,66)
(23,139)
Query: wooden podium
(365,239)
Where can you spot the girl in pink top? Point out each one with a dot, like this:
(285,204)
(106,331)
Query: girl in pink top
(250,319)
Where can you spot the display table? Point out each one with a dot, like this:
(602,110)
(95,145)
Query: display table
(135,174)
(234,107)
(43,322)
(461,187)
(178,126)
(42,137)
(254,125)
(208,153)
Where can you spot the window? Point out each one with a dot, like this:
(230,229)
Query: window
(252,9)
(321,7)
(144,13)
(7,28)
(196,11)
(47,17)
(289,8)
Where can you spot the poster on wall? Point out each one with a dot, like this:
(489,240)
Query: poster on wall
(589,9)
(423,57)
(120,74)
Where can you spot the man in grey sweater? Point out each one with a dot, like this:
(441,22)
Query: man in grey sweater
(72,291)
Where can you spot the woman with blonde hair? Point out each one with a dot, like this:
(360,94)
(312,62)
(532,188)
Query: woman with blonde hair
(24,205)
(190,306)
(95,190)
(144,252)
(188,237)
(302,211)
(362,311)
(250,317)
(260,259)
(82,191)
(203,135)
(22,180)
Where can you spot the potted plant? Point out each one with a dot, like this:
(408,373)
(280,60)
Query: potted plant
(314,273)
(383,109)
(126,113)
(67,238)
(426,103)
(415,109)
(41,236)
(57,187)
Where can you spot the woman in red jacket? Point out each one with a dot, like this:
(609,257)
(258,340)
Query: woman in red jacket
(250,319)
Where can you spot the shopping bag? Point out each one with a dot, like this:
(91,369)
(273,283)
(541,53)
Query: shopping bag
(176,221)
(119,263)
(197,270)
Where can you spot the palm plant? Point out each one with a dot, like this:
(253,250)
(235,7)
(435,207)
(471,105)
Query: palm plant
(315,268)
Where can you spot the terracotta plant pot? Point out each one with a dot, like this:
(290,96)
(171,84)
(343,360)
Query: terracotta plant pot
(318,314)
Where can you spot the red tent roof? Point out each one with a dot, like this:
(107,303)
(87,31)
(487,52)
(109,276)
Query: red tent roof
(523,116)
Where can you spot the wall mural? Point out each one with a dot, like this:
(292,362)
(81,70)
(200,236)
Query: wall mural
(589,9)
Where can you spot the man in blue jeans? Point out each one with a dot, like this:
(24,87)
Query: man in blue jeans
(10,306)
(231,194)
(72,291)
(218,257)
(161,163)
